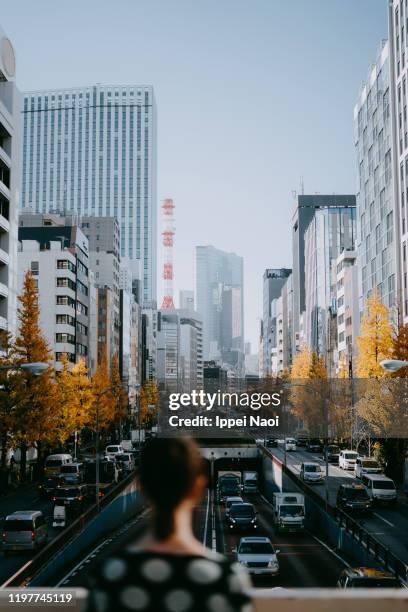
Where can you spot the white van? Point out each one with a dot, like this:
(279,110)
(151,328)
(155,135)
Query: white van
(347,459)
(113,449)
(290,444)
(380,488)
(25,530)
(366,465)
(53,463)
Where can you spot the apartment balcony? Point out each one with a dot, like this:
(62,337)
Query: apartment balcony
(5,157)
(3,290)
(4,257)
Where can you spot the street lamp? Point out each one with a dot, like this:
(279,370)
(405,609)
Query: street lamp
(393,365)
(35,368)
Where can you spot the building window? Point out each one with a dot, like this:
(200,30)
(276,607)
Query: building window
(65,338)
(66,282)
(65,264)
(35,266)
(65,319)
(65,300)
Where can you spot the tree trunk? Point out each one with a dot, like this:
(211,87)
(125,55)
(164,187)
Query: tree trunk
(23,461)
(4,452)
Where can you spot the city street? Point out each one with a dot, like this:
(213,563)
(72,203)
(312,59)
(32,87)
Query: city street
(24,498)
(388,524)
(304,561)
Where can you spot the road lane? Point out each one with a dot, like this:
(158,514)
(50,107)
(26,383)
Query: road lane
(389,524)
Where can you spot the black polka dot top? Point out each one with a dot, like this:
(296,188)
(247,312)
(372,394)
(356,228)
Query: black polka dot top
(156,582)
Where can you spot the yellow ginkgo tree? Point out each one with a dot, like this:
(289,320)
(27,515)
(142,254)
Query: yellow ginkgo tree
(375,342)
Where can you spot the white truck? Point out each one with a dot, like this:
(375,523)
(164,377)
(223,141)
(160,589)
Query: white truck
(250,482)
(289,511)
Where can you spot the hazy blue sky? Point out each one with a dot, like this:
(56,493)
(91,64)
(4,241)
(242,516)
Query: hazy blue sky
(251,96)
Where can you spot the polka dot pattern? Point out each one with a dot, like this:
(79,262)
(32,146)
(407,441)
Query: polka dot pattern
(153,582)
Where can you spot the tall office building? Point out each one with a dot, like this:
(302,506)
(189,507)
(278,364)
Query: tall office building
(273,281)
(330,232)
(220,302)
(92,150)
(378,243)
(395,103)
(304,211)
(179,350)
(9,183)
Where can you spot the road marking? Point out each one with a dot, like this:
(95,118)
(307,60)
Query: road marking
(383,519)
(79,565)
(206,518)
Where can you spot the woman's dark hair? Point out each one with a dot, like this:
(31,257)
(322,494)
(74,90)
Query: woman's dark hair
(169,468)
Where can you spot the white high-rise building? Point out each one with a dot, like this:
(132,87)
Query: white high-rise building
(92,150)
(9,183)
(378,243)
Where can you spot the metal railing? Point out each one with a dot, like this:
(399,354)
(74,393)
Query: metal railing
(27,571)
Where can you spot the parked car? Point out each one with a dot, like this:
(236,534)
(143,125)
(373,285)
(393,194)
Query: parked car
(333,453)
(311,472)
(314,445)
(367,578)
(24,530)
(366,465)
(229,501)
(47,487)
(347,459)
(272,443)
(72,473)
(380,488)
(353,498)
(258,556)
(242,517)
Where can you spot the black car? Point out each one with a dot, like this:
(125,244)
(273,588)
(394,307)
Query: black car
(302,441)
(272,443)
(73,497)
(333,452)
(353,498)
(242,517)
(47,487)
(314,446)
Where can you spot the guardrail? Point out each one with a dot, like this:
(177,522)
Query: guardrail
(27,571)
(373,547)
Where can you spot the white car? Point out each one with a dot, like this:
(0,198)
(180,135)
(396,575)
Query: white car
(126,460)
(366,465)
(311,472)
(258,556)
(290,444)
(347,459)
(229,501)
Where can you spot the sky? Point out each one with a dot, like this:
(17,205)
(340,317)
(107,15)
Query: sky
(252,97)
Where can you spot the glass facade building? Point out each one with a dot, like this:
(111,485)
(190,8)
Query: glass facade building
(377,217)
(330,232)
(92,150)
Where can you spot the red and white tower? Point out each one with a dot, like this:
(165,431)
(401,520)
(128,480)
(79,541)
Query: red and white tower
(168,240)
